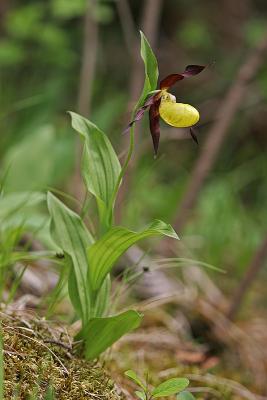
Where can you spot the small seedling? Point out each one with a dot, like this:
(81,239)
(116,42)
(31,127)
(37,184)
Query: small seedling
(167,388)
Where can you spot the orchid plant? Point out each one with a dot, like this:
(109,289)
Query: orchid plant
(88,258)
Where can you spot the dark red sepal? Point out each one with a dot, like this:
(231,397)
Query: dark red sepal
(190,70)
(140,112)
(154,124)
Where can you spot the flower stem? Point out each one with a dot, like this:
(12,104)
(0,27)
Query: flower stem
(123,171)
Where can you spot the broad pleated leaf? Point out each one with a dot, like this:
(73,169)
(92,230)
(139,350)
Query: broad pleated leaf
(169,387)
(100,164)
(71,235)
(102,300)
(101,333)
(106,251)
(151,70)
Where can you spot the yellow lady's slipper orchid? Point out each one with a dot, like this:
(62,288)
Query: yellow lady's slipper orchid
(163,104)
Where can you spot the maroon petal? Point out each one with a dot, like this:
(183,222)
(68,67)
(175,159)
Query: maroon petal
(190,70)
(154,124)
(140,112)
(170,80)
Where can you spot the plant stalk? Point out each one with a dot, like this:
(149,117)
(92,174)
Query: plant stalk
(121,175)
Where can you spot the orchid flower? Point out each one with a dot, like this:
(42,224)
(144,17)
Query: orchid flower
(163,104)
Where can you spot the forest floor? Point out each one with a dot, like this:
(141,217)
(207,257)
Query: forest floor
(38,353)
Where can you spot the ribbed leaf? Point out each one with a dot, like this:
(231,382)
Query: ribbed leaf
(100,164)
(169,387)
(101,333)
(102,300)
(70,234)
(105,252)
(151,70)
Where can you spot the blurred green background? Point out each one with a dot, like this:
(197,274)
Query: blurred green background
(43,46)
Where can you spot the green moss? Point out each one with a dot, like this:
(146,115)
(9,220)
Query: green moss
(38,354)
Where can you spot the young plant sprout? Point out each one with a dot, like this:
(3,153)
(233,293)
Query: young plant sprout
(164,389)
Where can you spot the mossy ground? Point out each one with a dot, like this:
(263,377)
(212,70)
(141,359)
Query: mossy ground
(39,355)
(160,352)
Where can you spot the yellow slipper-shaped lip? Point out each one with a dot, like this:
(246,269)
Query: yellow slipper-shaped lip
(179,115)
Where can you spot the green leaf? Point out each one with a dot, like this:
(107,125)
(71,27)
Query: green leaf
(45,166)
(185,396)
(106,251)
(132,375)
(50,393)
(101,333)
(102,300)
(71,235)
(140,395)
(17,256)
(100,164)
(14,202)
(151,70)
(169,387)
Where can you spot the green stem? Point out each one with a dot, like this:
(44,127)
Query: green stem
(122,173)
(84,205)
